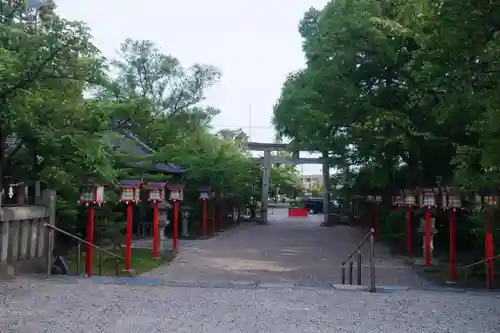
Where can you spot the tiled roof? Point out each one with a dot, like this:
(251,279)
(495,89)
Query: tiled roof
(122,141)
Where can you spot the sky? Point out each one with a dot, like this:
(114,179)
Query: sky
(254,43)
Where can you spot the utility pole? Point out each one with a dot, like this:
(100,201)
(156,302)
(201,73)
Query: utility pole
(250,123)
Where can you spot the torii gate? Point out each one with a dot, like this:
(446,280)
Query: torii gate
(267,161)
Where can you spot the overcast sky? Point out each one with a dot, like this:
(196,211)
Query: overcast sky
(254,43)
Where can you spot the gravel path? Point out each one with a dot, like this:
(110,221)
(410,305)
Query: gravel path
(286,250)
(31,306)
(280,256)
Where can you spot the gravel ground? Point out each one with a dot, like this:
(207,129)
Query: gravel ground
(71,305)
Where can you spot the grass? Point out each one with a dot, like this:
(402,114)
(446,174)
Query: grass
(141,262)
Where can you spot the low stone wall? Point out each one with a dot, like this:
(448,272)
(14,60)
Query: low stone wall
(24,240)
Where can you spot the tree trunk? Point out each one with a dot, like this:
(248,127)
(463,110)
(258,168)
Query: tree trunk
(3,137)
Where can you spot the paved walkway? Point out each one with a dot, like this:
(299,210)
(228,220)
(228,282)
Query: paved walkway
(295,250)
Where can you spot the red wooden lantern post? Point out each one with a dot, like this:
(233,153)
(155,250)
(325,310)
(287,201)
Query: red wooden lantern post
(204,196)
(378,201)
(90,196)
(221,212)
(452,201)
(409,201)
(370,199)
(156,194)
(398,201)
(130,195)
(176,196)
(212,196)
(355,209)
(490,203)
(428,201)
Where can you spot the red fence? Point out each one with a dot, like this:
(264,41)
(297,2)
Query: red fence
(297,212)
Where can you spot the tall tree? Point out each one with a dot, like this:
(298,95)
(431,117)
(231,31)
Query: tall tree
(47,130)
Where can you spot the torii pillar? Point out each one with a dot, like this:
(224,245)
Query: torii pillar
(326,188)
(266,169)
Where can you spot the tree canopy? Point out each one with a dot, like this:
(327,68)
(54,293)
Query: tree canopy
(406,90)
(403,94)
(63,103)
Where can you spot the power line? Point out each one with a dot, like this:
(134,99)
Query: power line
(250,124)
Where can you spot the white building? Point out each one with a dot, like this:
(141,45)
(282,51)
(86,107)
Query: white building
(308,182)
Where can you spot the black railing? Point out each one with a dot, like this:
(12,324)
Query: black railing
(80,241)
(490,275)
(356,256)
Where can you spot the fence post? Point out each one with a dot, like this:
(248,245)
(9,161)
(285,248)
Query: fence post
(351,265)
(359,268)
(372,262)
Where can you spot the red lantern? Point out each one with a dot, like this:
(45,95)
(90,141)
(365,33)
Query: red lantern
(398,200)
(130,191)
(204,196)
(452,198)
(91,195)
(205,193)
(156,194)
(176,192)
(490,200)
(156,191)
(428,197)
(410,198)
(176,196)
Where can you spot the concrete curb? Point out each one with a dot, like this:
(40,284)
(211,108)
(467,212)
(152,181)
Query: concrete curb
(255,284)
(252,284)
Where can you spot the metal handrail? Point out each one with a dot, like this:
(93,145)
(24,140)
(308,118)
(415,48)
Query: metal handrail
(368,237)
(481,261)
(80,241)
(363,241)
(466,268)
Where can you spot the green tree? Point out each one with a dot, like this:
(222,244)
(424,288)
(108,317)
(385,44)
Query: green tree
(399,94)
(47,129)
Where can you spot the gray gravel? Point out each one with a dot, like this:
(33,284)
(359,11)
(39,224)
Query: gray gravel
(70,305)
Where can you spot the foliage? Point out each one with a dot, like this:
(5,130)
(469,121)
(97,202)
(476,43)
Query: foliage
(402,93)
(64,109)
